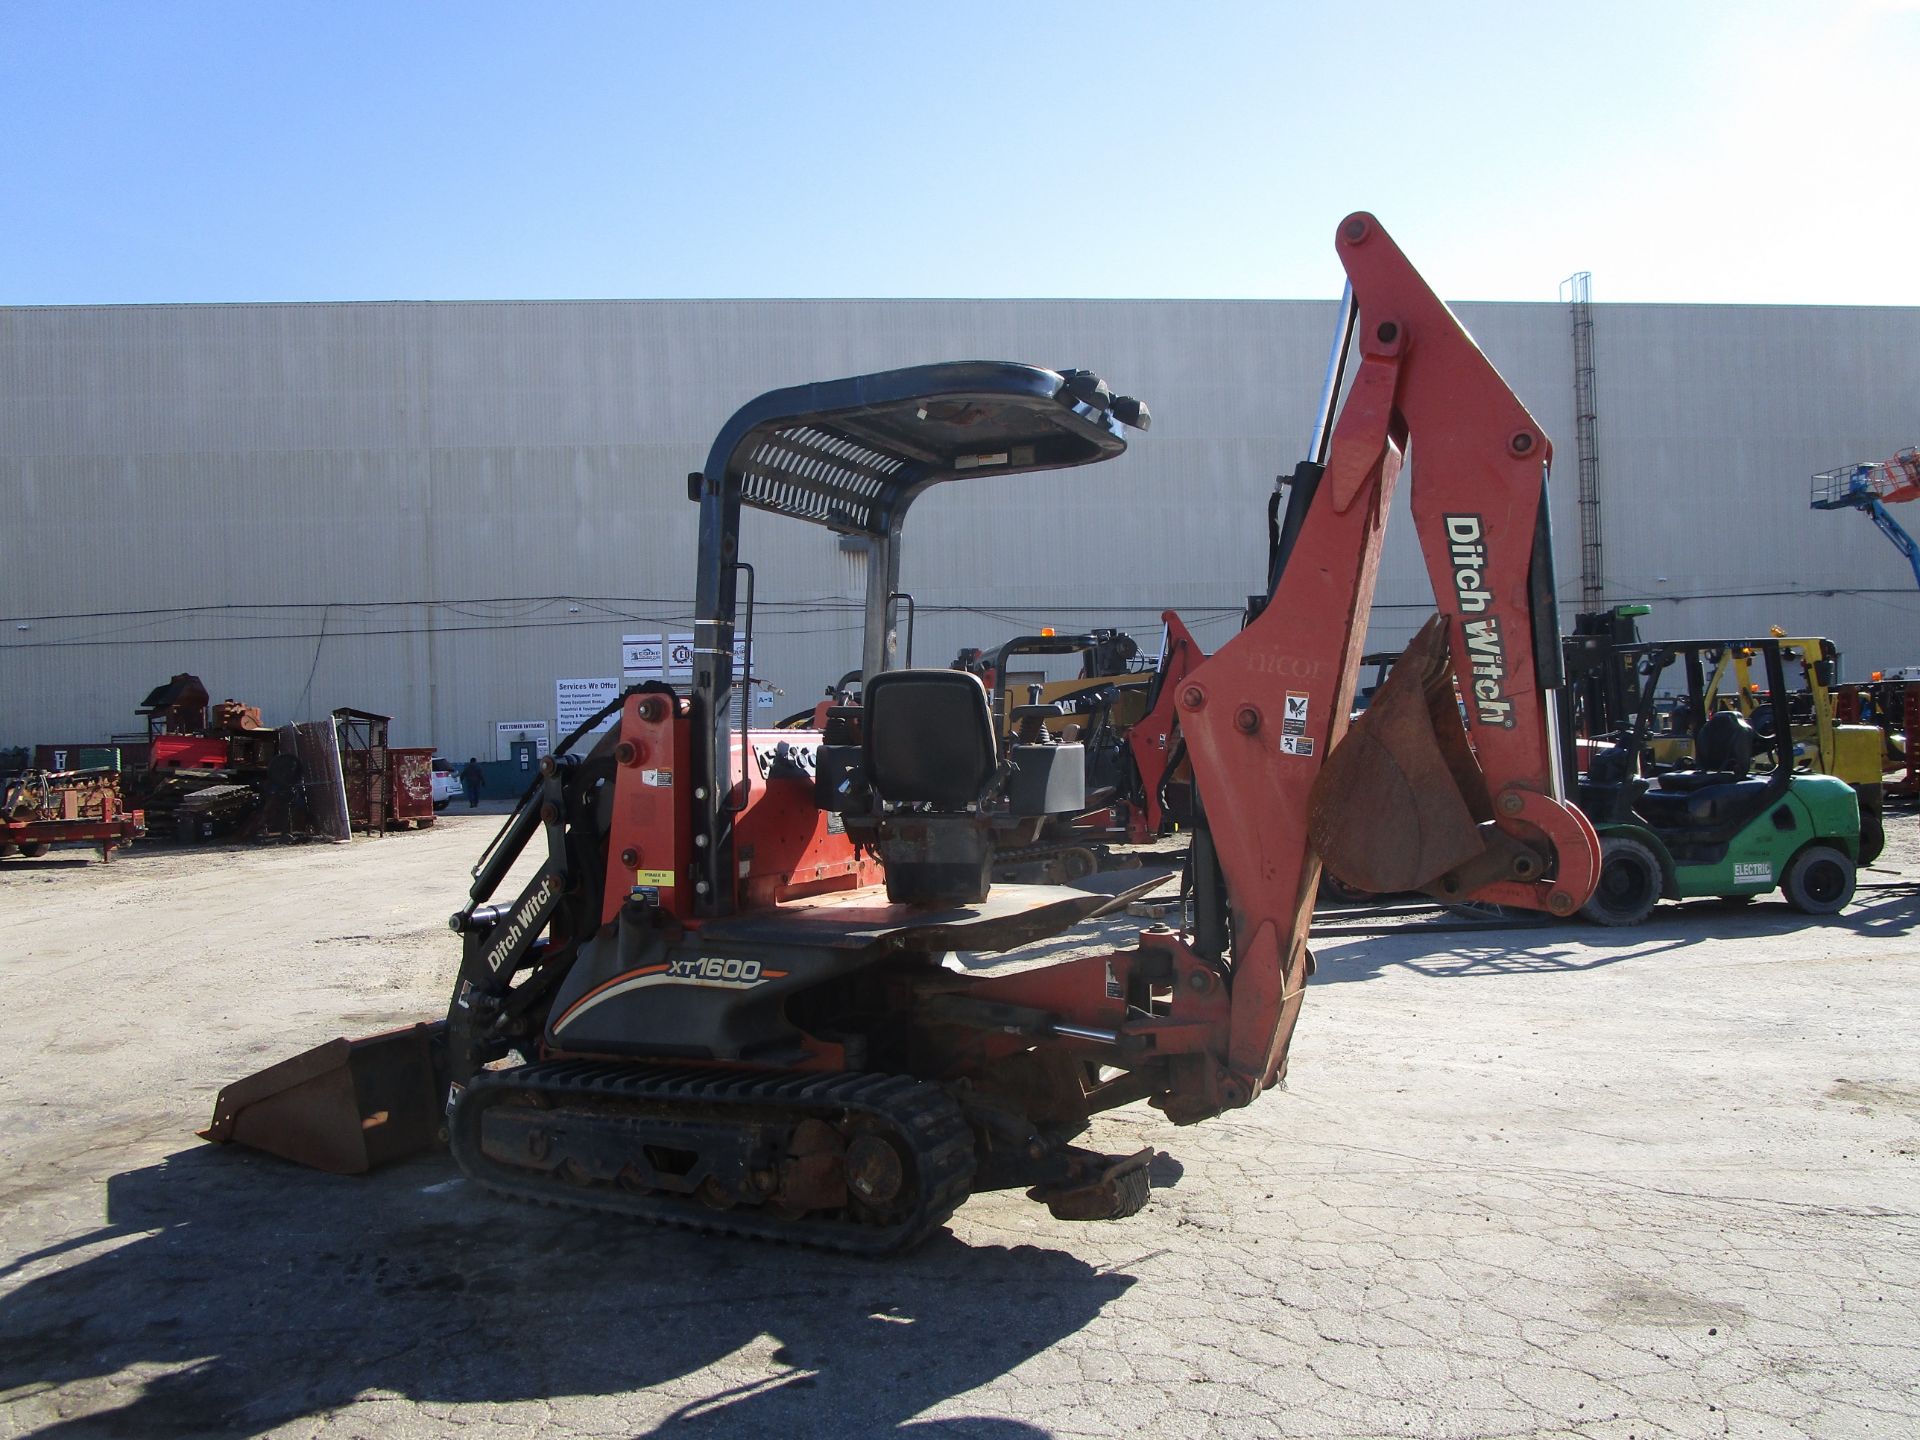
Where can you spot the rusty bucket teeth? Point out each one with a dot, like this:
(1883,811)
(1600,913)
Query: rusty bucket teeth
(1398,801)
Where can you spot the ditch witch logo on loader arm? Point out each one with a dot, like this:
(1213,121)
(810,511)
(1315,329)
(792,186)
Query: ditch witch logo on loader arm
(1467,553)
(526,923)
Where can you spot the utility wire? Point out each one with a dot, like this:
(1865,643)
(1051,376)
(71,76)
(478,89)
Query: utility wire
(841,602)
(306,693)
(1889,597)
(1196,617)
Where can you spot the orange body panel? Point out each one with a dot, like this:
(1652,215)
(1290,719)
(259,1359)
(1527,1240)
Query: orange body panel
(786,848)
(650,844)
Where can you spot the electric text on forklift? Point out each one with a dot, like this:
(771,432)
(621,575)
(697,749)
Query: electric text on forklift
(1467,552)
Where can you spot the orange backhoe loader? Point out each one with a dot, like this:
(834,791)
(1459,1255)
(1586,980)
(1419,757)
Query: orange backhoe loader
(726,998)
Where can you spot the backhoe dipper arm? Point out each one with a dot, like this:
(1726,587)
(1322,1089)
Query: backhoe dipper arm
(1151,740)
(1404,801)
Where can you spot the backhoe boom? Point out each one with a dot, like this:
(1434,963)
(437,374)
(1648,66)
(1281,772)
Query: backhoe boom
(1407,798)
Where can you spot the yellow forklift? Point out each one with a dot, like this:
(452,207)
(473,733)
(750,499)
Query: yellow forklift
(1111,688)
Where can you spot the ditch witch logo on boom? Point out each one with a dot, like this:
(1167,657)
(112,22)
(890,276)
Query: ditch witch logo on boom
(1467,553)
(531,915)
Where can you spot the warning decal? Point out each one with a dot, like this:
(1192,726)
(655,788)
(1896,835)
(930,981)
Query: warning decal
(1294,739)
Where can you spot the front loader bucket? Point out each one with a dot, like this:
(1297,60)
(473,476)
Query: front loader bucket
(1396,804)
(345,1106)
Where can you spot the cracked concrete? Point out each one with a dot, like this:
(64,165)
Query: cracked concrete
(1549,1182)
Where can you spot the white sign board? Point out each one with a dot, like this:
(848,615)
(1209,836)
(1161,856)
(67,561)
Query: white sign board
(505,732)
(577,701)
(679,657)
(642,657)
(763,699)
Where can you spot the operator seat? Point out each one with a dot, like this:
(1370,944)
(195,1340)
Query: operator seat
(1718,791)
(931,759)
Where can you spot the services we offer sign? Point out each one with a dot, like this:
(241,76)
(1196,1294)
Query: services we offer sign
(577,701)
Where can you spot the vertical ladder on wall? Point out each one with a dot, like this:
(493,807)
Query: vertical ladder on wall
(1577,290)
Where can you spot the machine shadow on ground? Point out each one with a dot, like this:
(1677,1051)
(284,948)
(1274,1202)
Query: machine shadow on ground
(271,1294)
(1529,947)
(1454,957)
(1887,909)
(1532,949)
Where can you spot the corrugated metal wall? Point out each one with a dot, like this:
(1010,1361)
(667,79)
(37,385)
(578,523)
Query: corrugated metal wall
(438,510)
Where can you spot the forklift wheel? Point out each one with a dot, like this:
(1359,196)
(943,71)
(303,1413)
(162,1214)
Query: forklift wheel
(1819,881)
(1629,883)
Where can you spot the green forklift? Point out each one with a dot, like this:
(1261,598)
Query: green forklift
(1734,819)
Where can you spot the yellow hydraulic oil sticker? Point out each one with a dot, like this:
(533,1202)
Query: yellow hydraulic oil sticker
(661,878)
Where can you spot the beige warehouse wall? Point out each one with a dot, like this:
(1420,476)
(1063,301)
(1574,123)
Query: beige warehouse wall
(437,510)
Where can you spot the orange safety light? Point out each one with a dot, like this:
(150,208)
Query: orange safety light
(1878,675)
(1046,632)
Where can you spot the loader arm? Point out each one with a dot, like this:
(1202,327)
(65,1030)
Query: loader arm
(1406,800)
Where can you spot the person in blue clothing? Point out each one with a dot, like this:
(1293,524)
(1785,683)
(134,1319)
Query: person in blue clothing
(472,779)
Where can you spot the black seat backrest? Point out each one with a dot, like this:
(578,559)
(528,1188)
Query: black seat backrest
(1726,743)
(928,736)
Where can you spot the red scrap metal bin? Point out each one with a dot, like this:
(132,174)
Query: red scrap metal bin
(387,788)
(410,779)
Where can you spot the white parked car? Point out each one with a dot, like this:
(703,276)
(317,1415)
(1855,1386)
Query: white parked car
(446,784)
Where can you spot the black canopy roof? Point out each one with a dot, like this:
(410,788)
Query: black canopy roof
(849,454)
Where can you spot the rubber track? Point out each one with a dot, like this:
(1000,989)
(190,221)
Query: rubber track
(1028,854)
(923,1116)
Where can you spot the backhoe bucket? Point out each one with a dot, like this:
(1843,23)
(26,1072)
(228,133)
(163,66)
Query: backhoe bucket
(1396,805)
(345,1106)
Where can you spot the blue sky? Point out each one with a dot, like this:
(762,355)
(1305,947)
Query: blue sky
(287,151)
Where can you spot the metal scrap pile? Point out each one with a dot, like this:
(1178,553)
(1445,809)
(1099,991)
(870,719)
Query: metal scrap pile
(217,771)
(40,807)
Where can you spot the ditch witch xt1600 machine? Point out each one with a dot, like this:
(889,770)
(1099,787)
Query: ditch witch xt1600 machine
(726,1001)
